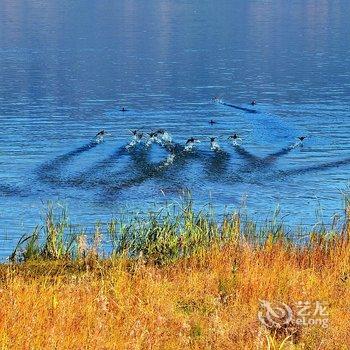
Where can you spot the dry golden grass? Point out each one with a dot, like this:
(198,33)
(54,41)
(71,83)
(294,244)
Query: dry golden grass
(206,301)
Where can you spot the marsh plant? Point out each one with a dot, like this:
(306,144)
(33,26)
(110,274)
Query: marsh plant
(161,236)
(176,278)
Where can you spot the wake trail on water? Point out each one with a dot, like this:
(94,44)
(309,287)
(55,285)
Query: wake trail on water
(10,191)
(249,110)
(267,127)
(51,172)
(174,168)
(312,168)
(142,169)
(261,122)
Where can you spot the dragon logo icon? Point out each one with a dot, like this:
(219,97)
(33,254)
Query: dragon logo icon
(274,315)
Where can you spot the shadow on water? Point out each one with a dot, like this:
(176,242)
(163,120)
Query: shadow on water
(254,163)
(259,162)
(248,110)
(243,153)
(312,168)
(50,172)
(274,156)
(87,176)
(216,164)
(173,173)
(142,169)
(10,191)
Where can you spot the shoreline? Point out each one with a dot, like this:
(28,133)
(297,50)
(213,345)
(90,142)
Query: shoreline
(183,281)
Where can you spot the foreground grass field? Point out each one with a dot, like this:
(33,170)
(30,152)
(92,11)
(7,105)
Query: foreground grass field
(175,282)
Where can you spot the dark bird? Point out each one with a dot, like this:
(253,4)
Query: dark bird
(152,134)
(192,140)
(137,135)
(253,103)
(152,137)
(164,136)
(100,136)
(302,138)
(123,109)
(136,138)
(190,143)
(214,146)
(212,122)
(234,138)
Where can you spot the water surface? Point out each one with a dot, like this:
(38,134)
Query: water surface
(66,68)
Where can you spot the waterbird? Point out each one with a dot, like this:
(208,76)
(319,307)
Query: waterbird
(214,146)
(212,122)
(136,138)
(190,143)
(300,142)
(99,137)
(163,136)
(123,109)
(253,103)
(152,137)
(217,99)
(137,135)
(234,138)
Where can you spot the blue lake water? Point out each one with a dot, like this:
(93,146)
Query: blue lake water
(67,67)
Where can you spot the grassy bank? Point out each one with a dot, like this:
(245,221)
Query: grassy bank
(176,280)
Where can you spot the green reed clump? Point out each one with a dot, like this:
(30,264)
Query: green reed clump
(54,240)
(160,237)
(164,236)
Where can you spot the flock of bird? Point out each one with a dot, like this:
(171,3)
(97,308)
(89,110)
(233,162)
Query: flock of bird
(164,138)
